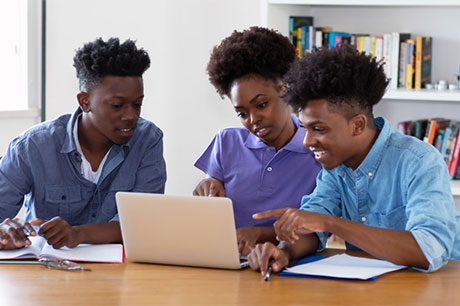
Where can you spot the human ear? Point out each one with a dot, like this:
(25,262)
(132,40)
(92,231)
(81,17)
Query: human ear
(359,123)
(83,101)
(283,89)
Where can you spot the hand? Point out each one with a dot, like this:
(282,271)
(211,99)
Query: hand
(12,235)
(261,254)
(57,232)
(294,222)
(247,237)
(210,187)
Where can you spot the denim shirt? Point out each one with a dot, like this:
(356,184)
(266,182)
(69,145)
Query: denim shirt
(44,165)
(402,184)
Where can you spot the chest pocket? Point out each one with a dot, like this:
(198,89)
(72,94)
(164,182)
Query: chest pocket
(64,201)
(394,219)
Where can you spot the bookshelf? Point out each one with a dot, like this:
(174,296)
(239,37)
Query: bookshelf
(423,95)
(438,19)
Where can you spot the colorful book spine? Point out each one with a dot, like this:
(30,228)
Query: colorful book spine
(410,64)
(423,61)
(387,54)
(396,39)
(454,162)
(430,132)
(378,48)
(402,64)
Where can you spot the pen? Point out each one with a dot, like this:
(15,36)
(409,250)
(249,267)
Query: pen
(269,270)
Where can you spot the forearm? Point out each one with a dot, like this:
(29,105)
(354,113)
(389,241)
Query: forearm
(396,246)
(99,233)
(306,245)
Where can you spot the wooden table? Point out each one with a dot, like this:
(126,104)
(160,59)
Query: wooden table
(146,284)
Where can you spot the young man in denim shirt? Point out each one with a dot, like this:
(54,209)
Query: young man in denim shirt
(383,192)
(66,171)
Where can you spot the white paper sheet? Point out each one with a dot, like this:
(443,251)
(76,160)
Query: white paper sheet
(346,266)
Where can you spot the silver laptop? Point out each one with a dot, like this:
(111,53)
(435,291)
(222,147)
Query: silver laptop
(179,230)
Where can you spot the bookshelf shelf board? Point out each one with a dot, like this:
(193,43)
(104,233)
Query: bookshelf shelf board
(455,187)
(368,2)
(423,95)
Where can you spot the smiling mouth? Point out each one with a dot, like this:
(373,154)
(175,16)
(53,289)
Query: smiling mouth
(127,132)
(318,153)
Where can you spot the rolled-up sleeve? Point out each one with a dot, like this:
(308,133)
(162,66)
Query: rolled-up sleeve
(431,210)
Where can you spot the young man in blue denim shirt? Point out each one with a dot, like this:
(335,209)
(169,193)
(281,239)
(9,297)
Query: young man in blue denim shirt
(66,171)
(383,192)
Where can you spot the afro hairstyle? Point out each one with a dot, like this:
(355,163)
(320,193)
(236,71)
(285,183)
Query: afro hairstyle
(100,58)
(255,51)
(347,79)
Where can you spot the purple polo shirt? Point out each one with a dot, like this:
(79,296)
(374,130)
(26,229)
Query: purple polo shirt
(256,177)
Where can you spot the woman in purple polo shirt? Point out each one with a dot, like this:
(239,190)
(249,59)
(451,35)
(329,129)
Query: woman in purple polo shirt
(265,164)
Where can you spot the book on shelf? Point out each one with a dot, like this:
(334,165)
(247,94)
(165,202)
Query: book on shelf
(410,67)
(396,39)
(322,36)
(102,253)
(379,48)
(442,133)
(420,127)
(434,126)
(406,127)
(336,37)
(298,27)
(387,45)
(453,162)
(423,50)
(402,64)
(450,137)
(296,22)
(372,46)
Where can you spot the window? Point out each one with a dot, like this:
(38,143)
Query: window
(20,54)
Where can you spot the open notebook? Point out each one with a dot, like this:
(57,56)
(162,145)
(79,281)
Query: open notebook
(108,253)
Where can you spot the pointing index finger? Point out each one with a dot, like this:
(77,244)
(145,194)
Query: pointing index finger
(273,213)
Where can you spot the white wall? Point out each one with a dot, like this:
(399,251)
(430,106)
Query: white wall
(179,35)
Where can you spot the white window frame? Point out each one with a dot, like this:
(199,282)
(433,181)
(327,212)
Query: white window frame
(34,63)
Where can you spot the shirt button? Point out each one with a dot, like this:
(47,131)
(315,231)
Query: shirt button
(363,219)
(269,169)
(370,174)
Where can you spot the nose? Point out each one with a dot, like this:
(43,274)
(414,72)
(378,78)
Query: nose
(254,117)
(308,140)
(129,113)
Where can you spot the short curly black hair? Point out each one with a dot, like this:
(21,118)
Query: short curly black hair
(98,59)
(256,51)
(343,76)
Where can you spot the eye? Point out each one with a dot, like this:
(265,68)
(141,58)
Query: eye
(318,129)
(241,114)
(262,105)
(137,105)
(116,106)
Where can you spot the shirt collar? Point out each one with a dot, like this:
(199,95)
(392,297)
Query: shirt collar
(373,159)
(69,141)
(295,144)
